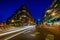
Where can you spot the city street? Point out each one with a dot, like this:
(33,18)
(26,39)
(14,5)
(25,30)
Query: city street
(29,19)
(27,33)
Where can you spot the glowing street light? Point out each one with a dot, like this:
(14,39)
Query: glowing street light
(12,21)
(31,22)
(53,14)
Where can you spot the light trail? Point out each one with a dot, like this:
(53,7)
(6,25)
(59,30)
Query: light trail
(28,28)
(15,35)
(17,30)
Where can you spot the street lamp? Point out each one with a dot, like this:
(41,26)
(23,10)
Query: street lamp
(53,14)
(12,21)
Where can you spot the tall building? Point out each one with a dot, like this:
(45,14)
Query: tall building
(21,17)
(52,14)
(51,19)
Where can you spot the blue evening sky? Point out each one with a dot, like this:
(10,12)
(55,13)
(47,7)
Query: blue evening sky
(36,7)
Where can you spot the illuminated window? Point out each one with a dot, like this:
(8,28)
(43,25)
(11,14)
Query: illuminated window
(23,15)
(23,10)
(48,11)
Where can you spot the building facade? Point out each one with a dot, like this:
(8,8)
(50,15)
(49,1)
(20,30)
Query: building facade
(52,14)
(21,17)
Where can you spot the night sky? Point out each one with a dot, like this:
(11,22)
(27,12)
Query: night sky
(36,7)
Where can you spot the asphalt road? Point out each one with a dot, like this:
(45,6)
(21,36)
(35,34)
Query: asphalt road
(28,34)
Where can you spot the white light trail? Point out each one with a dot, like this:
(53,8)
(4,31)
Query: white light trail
(15,35)
(20,32)
(26,27)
